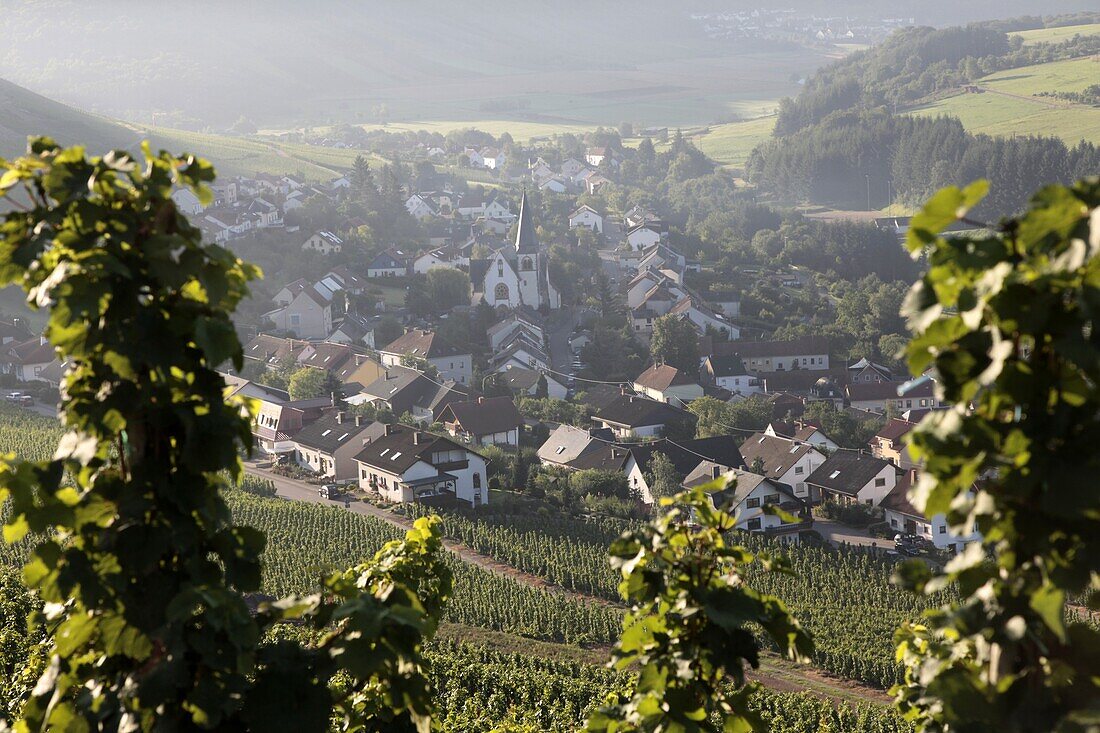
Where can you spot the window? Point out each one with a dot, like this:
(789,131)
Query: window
(799,469)
(500,268)
(527,264)
(834,474)
(880,482)
(295,319)
(754,524)
(771,499)
(477,480)
(753,503)
(893,522)
(500,292)
(943,529)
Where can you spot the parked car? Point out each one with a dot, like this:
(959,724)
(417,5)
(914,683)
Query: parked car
(19,398)
(329,491)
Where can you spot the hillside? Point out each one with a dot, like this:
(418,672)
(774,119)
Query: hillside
(1009,103)
(23,113)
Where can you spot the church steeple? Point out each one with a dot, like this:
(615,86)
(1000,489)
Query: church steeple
(526,240)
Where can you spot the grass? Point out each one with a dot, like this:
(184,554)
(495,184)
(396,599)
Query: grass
(1055,35)
(518,129)
(995,112)
(392,295)
(731,144)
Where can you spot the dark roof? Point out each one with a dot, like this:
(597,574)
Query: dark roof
(635,412)
(726,365)
(32,351)
(519,378)
(526,239)
(798,380)
(601,456)
(599,395)
(567,443)
(778,454)
(686,455)
(328,356)
(756,349)
(887,391)
(847,472)
(484,416)
(399,450)
(422,343)
(334,431)
(662,376)
(898,500)
(14,331)
(894,429)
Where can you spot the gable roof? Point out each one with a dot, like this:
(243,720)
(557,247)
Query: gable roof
(328,356)
(32,351)
(401,447)
(869,391)
(745,484)
(335,430)
(422,343)
(272,349)
(567,443)
(898,499)
(895,429)
(526,239)
(602,456)
(847,472)
(686,455)
(726,365)
(777,454)
(662,376)
(484,416)
(633,411)
(803,346)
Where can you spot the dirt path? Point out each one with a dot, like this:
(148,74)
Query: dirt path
(775,672)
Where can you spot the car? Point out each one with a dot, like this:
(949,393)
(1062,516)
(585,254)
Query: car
(329,491)
(19,398)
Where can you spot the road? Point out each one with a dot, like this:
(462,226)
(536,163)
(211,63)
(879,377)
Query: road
(559,326)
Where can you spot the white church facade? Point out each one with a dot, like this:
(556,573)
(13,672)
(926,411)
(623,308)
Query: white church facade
(518,275)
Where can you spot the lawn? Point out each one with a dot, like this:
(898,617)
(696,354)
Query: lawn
(237,156)
(731,144)
(1055,35)
(995,113)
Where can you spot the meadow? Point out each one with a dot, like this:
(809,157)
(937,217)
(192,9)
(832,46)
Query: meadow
(731,144)
(1057,35)
(1009,106)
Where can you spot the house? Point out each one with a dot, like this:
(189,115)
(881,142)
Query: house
(406,464)
(358,371)
(745,496)
(667,384)
(692,308)
(331,358)
(27,359)
(324,242)
(391,262)
(903,517)
(474,157)
(420,207)
(499,210)
(539,170)
(587,217)
(328,446)
(789,462)
(522,350)
(882,396)
(642,237)
(593,182)
(866,371)
(572,168)
(308,315)
(277,421)
(518,275)
(187,202)
(685,456)
(401,390)
(418,343)
(728,372)
(849,477)
(484,421)
(567,443)
(353,329)
(290,291)
(348,281)
(554,185)
(530,383)
(807,352)
(503,331)
(661,258)
(433,259)
(595,156)
(274,351)
(802,432)
(492,158)
(631,416)
(890,443)
(727,302)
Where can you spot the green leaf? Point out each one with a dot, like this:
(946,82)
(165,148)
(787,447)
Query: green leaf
(1049,602)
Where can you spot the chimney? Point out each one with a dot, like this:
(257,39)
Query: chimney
(387,375)
(358,421)
(914,474)
(716,471)
(417,437)
(333,398)
(481,400)
(389,429)
(340,417)
(622,391)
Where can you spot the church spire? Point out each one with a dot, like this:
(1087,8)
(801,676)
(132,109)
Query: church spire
(526,240)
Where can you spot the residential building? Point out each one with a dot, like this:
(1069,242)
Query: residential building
(684,455)
(808,352)
(745,496)
(328,445)
(801,432)
(890,443)
(417,343)
(587,217)
(630,416)
(787,461)
(903,517)
(728,371)
(881,396)
(392,262)
(187,202)
(642,237)
(27,359)
(530,383)
(667,384)
(849,477)
(308,315)
(274,351)
(567,443)
(484,421)
(406,464)
(324,242)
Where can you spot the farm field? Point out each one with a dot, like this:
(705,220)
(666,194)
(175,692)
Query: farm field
(1008,106)
(1055,35)
(731,144)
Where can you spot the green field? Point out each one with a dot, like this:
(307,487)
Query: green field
(731,144)
(519,130)
(1055,35)
(1009,105)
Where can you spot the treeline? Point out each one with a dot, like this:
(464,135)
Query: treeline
(859,159)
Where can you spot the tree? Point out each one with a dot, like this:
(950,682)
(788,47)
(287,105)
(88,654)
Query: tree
(308,383)
(448,288)
(713,415)
(675,342)
(663,479)
(135,554)
(387,331)
(610,306)
(687,632)
(1007,323)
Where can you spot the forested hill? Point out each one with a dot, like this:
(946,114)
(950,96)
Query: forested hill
(841,141)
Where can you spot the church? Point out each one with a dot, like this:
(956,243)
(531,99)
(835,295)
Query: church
(518,275)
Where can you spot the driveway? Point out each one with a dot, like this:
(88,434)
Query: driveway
(838,533)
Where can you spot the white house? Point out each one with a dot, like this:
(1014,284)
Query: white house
(554,185)
(667,384)
(746,498)
(432,260)
(630,416)
(847,477)
(572,168)
(903,517)
(499,210)
(392,262)
(485,421)
(502,332)
(324,242)
(808,352)
(643,237)
(694,310)
(785,461)
(419,207)
(728,371)
(308,315)
(187,202)
(418,343)
(587,217)
(406,464)
(328,446)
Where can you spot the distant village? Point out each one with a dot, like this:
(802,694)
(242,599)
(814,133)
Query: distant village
(409,415)
(793,25)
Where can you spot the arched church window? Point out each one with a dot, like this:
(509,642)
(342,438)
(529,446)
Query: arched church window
(500,292)
(527,264)
(500,268)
